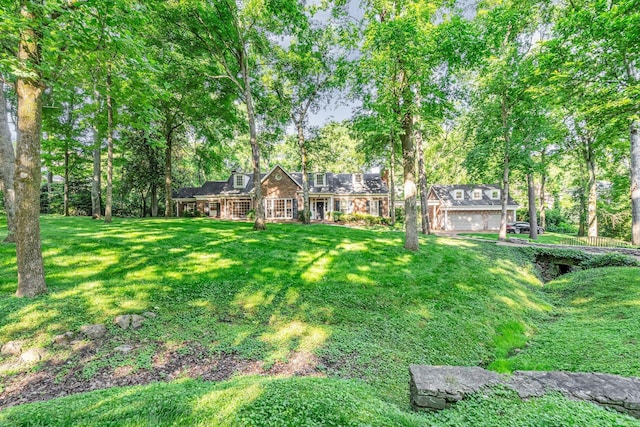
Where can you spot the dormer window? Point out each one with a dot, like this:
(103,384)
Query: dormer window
(495,194)
(320,179)
(477,194)
(458,195)
(238,181)
(357,179)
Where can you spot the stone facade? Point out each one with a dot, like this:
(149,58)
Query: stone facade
(438,387)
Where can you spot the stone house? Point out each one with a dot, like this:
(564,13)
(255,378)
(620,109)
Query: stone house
(282,194)
(468,207)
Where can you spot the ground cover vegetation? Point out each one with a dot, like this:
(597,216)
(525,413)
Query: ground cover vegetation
(319,329)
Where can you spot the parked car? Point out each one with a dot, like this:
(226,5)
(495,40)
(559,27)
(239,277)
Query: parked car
(521,227)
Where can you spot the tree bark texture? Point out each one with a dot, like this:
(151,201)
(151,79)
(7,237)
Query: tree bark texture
(635,182)
(422,182)
(533,220)
(28,175)
(168,208)
(258,207)
(305,178)
(7,169)
(504,198)
(109,200)
(592,201)
(409,166)
(392,181)
(543,204)
(96,208)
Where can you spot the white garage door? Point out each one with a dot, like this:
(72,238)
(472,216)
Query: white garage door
(494,221)
(465,222)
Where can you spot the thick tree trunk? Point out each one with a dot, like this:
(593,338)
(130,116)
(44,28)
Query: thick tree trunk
(635,182)
(422,182)
(305,178)
(392,181)
(409,167)
(592,217)
(31,280)
(258,207)
(109,200)
(7,169)
(533,220)
(168,209)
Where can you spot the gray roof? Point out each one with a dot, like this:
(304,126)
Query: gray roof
(343,183)
(444,193)
(185,193)
(336,183)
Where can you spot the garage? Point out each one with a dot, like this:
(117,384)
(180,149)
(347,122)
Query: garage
(463,221)
(493,221)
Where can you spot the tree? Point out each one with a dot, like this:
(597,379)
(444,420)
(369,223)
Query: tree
(308,70)
(7,168)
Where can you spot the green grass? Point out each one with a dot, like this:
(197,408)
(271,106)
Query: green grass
(547,238)
(359,302)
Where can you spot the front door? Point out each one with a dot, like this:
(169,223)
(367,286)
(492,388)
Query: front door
(320,210)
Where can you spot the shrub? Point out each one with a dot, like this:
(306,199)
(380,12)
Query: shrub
(556,222)
(251,214)
(337,216)
(365,218)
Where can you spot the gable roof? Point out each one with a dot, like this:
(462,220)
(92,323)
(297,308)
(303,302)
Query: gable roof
(444,193)
(335,183)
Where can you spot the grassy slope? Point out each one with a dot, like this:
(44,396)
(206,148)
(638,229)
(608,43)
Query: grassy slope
(355,298)
(547,238)
(596,327)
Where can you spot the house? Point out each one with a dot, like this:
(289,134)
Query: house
(468,207)
(282,194)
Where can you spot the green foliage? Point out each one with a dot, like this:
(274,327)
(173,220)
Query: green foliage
(557,222)
(251,214)
(582,259)
(364,218)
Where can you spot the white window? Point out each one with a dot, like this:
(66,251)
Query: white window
(357,179)
(458,195)
(477,194)
(495,194)
(238,181)
(239,208)
(320,180)
(374,208)
(278,208)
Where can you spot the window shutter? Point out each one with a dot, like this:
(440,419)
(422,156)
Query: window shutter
(295,208)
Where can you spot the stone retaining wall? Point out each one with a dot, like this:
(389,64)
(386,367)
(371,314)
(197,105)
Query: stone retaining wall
(438,387)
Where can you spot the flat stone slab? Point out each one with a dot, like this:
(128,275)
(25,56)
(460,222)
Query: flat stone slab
(438,387)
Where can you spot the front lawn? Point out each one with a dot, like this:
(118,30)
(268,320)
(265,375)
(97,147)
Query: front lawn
(344,311)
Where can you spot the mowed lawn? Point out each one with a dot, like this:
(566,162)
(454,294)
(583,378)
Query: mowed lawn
(350,305)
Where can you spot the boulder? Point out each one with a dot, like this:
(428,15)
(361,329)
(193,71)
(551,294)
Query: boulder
(125,348)
(32,355)
(123,320)
(94,331)
(149,314)
(12,348)
(137,321)
(65,338)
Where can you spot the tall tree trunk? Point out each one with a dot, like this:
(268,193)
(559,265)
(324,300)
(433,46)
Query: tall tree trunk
(506,135)
(635,182)
(66,179)
(168,209)
(592,217)
(533,220)
(305,178)
(504,199)
(392,181)
(96,209)
(422,182)
(109,201)
(258,207)
(154,200)
(31,280)
(543,199)
(409,167)
(7,169)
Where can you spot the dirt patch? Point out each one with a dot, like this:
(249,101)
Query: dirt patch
(57,378)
